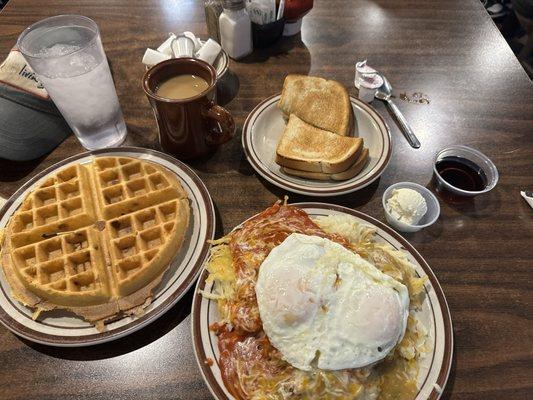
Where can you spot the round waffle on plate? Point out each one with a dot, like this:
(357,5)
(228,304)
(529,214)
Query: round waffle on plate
(102,236)
(91,236)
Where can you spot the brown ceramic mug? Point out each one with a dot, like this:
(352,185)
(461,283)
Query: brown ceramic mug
(191,127)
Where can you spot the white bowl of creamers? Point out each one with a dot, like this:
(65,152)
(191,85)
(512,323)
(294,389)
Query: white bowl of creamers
(410,207)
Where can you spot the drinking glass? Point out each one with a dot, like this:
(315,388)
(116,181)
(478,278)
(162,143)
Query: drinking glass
(67,56)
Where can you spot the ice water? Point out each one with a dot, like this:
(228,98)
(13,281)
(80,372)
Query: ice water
(77,77)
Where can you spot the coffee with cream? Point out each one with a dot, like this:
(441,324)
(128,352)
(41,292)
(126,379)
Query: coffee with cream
(182,93)
(181,87)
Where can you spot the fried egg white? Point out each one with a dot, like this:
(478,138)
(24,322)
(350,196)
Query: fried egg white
(323,305)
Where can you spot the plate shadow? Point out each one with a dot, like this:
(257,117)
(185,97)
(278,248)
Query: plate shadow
(146,335)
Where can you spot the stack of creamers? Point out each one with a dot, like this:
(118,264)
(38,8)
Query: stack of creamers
(317,142)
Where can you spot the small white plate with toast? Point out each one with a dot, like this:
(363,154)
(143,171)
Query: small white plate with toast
(264,127)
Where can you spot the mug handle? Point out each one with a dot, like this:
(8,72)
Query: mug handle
(221,116)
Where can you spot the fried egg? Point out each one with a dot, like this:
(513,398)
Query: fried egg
(324,306)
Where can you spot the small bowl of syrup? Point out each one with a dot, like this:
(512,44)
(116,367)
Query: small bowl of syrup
(464,171)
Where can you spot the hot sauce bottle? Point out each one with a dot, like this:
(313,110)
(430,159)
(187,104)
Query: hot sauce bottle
(296,9)
(293,14)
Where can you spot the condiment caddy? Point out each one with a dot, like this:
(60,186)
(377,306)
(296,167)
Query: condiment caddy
(242,25)
(188,45)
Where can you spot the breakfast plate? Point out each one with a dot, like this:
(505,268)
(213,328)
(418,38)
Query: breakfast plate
(433,367)
(264,126)
(62,328)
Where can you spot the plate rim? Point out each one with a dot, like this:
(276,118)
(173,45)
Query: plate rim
(319,192)
(102,337)
(445,368)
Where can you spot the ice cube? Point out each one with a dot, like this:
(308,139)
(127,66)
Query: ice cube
(83,62)
(57,50)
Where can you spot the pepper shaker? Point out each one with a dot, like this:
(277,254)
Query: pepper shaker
(213,9)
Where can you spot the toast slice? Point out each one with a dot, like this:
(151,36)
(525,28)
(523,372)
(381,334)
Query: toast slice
(351,172)
(307,148)
(322,103)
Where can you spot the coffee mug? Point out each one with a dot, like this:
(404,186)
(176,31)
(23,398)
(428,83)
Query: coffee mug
(190,127)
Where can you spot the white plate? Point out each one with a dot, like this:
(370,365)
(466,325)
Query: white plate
(264,126)
(61,328)
(435,315)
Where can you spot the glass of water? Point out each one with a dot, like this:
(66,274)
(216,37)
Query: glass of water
(67,55)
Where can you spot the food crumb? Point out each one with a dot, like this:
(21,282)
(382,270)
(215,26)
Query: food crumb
(209,362)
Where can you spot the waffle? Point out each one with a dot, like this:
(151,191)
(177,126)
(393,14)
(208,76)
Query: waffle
(95,238)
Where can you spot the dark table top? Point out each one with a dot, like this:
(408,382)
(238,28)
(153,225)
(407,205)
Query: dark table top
(481,250)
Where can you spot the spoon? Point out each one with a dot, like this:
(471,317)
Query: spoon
(384,93)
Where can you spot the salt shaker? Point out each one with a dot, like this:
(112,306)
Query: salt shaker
(235,29)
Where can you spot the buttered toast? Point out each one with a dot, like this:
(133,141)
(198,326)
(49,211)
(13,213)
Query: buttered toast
(352,171)
(307,148)
(322,103)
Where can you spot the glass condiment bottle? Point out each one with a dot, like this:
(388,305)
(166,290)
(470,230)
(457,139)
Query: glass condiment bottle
(296,9)
(235,29)
(293,13)
(213,9)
